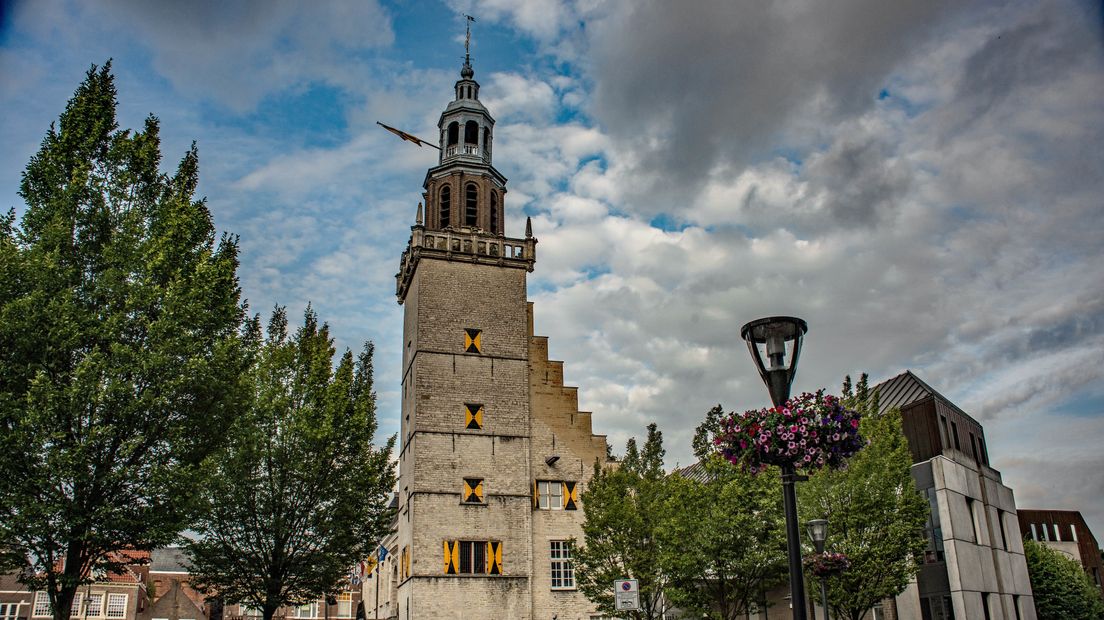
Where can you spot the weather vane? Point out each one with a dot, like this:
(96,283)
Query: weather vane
(467,39)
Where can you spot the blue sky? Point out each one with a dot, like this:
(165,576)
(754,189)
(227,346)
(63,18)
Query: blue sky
(921,181)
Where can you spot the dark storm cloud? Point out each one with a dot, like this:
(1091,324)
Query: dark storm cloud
(691,86)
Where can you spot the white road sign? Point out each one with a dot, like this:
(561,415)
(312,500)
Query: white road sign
(626,595)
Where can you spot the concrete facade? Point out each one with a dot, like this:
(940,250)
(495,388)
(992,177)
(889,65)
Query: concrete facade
(487,424)
(974,566)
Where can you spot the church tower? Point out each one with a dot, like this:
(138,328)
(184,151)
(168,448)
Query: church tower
(487,501)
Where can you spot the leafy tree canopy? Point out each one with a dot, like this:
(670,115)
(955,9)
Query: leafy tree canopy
(875,514)
(1061,588)
(120,350)
(723,541)
(301,492)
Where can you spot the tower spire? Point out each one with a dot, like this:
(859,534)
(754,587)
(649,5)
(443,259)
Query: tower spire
(467,72)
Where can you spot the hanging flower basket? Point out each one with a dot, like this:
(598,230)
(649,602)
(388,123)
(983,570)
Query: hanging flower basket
(810,431)
(826,564)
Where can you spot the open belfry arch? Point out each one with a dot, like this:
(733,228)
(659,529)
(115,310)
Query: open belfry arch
(495,454)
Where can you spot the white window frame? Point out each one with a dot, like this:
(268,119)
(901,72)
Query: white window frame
(9,611)
(76,609)
(545,490)
(41,606)
(98,610)
(561,565)
(114,609)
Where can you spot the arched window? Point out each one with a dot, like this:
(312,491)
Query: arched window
(471,204)
(471,132)
(446,204)
(494,212)
(453,133)
(487,141)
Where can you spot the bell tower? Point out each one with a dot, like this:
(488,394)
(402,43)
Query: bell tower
(465,513)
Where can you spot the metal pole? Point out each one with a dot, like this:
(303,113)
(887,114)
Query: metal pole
(377,589)
(824,597)
(793,542)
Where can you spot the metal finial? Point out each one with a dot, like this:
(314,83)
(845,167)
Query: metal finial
(528,228)
(418,219)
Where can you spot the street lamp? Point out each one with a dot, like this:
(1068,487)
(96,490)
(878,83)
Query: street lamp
(773,334)
(818,531)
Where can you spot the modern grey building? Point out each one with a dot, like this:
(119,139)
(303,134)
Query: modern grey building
(974,567)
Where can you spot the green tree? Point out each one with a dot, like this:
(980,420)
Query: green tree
(301,492)
(623,509)
(875,514)
(120,350)
(723,541)
(1061,588)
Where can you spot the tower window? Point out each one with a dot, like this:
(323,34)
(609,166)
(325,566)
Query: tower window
(471,205)
(487,142)
(494,212)
(473,491)
(453,133)
(473,340)
(446,205)
(471,132)
(473,416)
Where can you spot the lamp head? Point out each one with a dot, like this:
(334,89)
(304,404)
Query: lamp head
(818,530)
(773,334)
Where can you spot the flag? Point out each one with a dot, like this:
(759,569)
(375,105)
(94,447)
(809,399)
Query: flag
(382,553)
(405,136)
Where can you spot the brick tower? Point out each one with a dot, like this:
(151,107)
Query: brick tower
(487,498)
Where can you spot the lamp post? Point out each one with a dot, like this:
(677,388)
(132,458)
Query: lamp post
(773,333)
(818,531)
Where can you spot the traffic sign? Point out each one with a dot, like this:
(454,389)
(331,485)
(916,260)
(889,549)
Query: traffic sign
(626,595)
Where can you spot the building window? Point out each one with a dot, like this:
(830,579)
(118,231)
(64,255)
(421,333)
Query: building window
(934,551)
(946,433)
(1016,607)
(550,495)
(1003,534)
(974,447)
(984,452)
(310,610)
(473,340)
(563,571)
(473,416)
(471,132)
(345,605)
(116,605)
(471,205)
(972,509)
(473,557)
(985,605)
(453,133)
(1073,533)
(954,436)
(494,212)
(445,206)
(41,605)
(473,491)
(1034,535)
(877,612)
(75,611)
(95,605)
(9,611)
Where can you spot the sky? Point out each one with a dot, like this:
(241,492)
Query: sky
(922,181)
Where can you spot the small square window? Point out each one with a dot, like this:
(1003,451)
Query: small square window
(473,416)
(550,495)
(473,340)
(473,491)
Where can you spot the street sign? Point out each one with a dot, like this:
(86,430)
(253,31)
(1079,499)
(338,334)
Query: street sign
(626,595)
